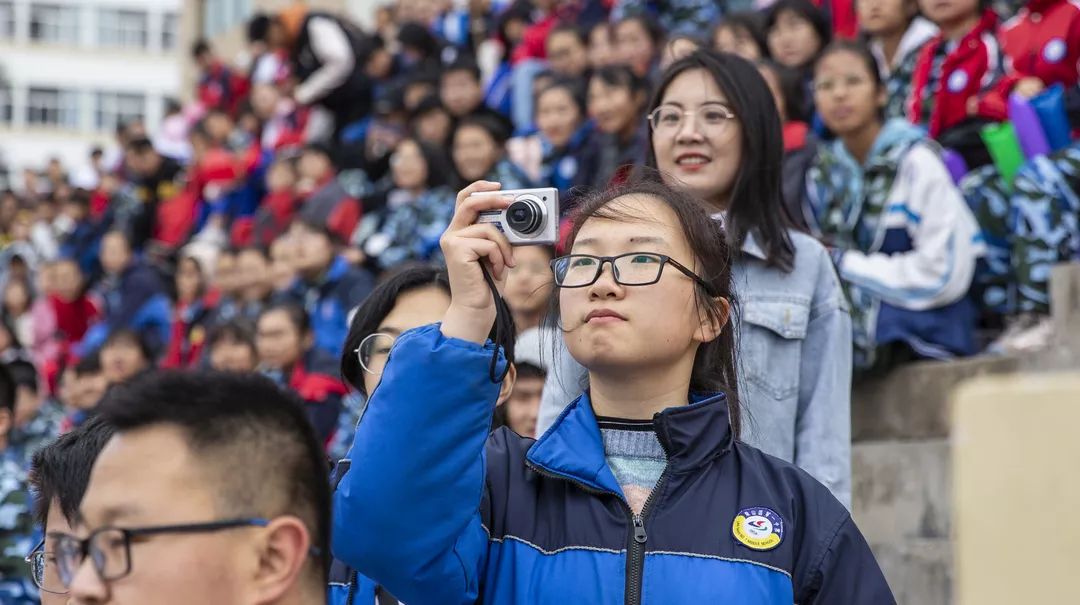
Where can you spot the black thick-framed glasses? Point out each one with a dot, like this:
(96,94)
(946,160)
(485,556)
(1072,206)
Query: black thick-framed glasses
(109,548)
(630,269)
(39,559)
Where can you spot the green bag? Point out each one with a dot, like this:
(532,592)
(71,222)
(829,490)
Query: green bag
(1004,147)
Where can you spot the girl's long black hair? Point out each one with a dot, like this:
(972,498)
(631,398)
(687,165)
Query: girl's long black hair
(756,204)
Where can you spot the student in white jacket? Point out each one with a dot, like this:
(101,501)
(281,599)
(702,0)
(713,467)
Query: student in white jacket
(904,242)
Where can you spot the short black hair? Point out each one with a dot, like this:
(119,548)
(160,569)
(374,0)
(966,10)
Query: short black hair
(494,127)
(23,374)
(416,36)
(748,21)
(621,76)
(258,28)
(80,198)
(652,27)
(320,149)
(61,470)
(7,391)
(90,364)
(529,370)
(172,105)
(463,63)
(200,47)
(298,317)
(570,28)
(238,329)
(129,336)
(573,87)
(311,221)
(140,145)
(429,103)
(253,439)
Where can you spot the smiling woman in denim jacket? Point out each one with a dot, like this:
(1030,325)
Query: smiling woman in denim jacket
(716,133)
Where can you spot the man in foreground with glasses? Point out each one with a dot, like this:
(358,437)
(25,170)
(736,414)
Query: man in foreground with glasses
(214,489)
(58,477)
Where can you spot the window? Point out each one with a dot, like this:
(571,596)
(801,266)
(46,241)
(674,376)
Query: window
(115,108)
(7,20)
(122,28)
(220,15)
(6,112)
(53,107)
(170,31)
(54,23)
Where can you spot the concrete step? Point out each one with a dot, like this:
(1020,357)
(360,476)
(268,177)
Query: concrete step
(900,501)
(912,402)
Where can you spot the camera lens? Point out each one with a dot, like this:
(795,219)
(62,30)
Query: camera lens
(525,216)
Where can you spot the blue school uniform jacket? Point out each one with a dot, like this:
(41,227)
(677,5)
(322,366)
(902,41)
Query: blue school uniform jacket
(438,511)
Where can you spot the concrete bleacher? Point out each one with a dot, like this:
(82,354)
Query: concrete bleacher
(901,455)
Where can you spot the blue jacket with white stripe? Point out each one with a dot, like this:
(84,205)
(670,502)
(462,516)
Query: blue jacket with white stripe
(438,511)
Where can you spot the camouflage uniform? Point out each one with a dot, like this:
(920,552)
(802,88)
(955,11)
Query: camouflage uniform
(695,17)
(42,429)
(1028,227)
(989,197)
(898,86)
(16,532)
(1046,223)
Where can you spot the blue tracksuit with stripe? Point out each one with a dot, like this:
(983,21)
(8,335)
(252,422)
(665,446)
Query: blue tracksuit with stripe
(438,510)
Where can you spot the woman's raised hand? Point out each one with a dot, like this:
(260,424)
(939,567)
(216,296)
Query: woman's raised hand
(465,245)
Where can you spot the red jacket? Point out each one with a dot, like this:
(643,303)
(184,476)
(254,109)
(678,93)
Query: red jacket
(1043,41)
(220,88)
(971,70)
(845,23)
(188,333)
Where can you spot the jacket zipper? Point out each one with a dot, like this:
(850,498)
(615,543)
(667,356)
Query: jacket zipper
(635,552)
(635,559)
(353,577)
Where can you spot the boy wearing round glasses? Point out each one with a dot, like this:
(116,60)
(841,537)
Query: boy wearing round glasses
(59,473)
(213,489)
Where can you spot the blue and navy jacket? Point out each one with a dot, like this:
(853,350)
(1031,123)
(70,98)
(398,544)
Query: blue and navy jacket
(438,511)
(136,299)
(328,302)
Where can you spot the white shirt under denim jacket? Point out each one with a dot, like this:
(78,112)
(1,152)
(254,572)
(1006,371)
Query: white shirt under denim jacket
(794,344)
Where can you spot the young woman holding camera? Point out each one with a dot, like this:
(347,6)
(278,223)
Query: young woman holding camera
(716,134)
(641,492)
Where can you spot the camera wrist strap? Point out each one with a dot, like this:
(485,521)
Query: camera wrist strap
(504,327)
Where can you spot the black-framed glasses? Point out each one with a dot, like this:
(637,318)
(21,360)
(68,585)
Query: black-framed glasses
(630,269)
(373,352)
(109,548)
(44,571)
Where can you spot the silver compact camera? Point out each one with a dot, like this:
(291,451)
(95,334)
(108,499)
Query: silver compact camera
(532,218)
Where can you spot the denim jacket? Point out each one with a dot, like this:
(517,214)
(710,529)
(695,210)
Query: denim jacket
(794,351)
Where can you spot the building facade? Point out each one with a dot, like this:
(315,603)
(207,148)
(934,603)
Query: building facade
(72,70)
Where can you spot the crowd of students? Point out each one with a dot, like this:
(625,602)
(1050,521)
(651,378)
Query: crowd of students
(292,219)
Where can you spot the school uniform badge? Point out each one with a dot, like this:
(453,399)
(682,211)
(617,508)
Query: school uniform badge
(758,528)
(1054,51)
(958,80)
